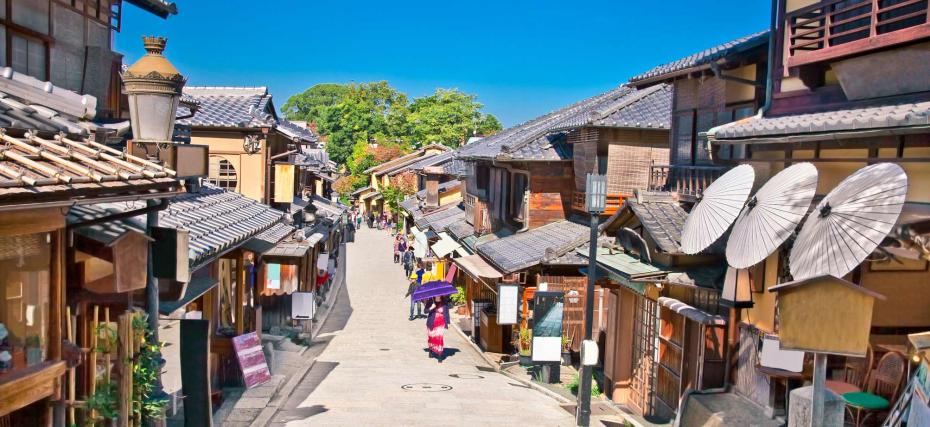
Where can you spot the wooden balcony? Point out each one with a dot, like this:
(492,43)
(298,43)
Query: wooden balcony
(832,29)
(614,202)
(688,181)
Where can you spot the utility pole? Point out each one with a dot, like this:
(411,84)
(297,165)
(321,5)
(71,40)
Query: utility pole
(595,201)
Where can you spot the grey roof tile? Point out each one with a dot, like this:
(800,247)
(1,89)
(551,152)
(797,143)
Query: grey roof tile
(663,220)
(899,115)
(536,246)
(296,132)
(215,219)
(543,138)
(704,57)
(461,229)
(440,218)
(236,107)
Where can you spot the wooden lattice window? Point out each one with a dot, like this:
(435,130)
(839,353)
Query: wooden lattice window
(222,173)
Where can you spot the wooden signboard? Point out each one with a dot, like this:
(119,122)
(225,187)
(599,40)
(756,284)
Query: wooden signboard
(255,370)
(283,183)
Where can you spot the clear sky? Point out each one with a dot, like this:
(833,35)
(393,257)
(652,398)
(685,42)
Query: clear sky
(522,58)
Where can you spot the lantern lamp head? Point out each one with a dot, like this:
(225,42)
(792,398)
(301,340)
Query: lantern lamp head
(153,87)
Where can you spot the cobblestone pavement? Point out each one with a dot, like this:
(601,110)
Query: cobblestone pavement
(376,372)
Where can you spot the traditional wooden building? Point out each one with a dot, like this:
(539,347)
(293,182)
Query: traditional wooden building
(252,151)
(387,173)
(847,90)
(709,88)
(50,162)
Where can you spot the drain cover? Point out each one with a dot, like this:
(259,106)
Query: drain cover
(426,387)
(467,376)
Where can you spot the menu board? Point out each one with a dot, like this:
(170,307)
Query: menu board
(547,326)
(302,305)
(507,304)
(255,370)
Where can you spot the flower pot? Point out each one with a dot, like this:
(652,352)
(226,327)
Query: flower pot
(566,358)
(460,310)
(526,360)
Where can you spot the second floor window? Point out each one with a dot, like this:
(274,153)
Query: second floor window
(222,173)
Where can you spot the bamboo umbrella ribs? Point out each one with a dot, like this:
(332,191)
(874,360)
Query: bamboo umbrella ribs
(771,215)
(712,216)
(848,224)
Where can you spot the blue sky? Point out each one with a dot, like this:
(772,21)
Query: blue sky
(522,58)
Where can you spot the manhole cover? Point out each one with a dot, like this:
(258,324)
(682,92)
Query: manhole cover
(426,387)
(467,376)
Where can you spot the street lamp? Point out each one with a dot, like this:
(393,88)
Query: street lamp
(153,87)
(595,201)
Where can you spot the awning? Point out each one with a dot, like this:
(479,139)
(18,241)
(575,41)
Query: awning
(627,270)
(198,286)
(291,249)
(477,267)
(463,251)
(445,245)
(692,313)
(266,240)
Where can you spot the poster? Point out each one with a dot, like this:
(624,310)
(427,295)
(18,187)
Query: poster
(547,326)
(273,278)
(251,358)
(508,303)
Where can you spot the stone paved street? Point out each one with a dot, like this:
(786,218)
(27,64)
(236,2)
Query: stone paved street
(360,377)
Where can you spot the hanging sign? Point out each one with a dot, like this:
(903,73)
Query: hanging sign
(303,305)
(547,326)
(251,358)
(507,304)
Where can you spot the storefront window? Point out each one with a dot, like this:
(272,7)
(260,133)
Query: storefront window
(25,265)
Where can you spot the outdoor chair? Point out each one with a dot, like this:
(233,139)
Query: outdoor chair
(884,383)
(855,374)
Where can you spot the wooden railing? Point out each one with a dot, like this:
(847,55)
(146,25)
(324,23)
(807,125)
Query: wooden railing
(614,202)
(469,202)
(688,181)
(831,29)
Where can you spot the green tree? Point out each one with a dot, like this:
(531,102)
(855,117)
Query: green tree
(450,117)
(314,105)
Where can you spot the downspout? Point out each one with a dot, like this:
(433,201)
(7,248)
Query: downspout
(770,66)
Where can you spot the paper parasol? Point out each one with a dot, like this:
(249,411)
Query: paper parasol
(848,224)
(718,208)
(771,215)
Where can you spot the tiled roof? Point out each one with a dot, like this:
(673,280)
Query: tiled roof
(543,138)
(312,158)
(703,58)
(663,221)
(403,161)
(234,107)
(436,160)
(264,241)
(523,250)
(849,120)
(217,220)
(443,187)
(328,208)
(461,229)
(296,132)
(61,167)
(160,8)
(440,217)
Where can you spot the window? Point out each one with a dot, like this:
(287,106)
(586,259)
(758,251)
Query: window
(25,266)
(222,173)
(518,183)
(482,177)
(29,56)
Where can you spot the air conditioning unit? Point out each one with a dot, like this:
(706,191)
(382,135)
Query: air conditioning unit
(514,278)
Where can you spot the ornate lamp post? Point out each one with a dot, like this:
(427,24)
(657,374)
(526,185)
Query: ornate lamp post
(153,87)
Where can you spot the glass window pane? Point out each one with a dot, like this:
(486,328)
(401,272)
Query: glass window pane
(32,14)
(37,59)
(25,266)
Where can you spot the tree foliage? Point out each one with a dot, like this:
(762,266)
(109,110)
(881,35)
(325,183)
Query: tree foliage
(449,117)
(350,115)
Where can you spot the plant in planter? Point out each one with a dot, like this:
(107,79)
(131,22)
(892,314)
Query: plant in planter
(145,371)
(525,346)
(566,350)
(458,300)
(576,382)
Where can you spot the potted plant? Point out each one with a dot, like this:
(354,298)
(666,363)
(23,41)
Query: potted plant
(525,345)
(566,350)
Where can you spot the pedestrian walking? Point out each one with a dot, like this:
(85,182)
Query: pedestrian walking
(397,249)
(358,221)
(371,220)
(409,260)
(437,321)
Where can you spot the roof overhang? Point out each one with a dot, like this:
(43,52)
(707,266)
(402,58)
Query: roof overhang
(159,8)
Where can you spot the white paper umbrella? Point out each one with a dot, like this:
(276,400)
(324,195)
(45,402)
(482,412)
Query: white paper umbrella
(848,224)
(771,215)
(718,208)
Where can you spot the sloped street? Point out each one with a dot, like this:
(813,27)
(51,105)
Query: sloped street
(375,370)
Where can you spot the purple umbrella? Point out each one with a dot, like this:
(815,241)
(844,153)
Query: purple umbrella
(434,289)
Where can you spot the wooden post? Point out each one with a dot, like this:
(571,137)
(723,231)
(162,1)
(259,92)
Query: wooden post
(92,359)
(239,299)
(820,380)
(71,380)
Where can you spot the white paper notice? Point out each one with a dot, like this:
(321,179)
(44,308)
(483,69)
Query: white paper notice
(30,314)
(507,304)
(774,357)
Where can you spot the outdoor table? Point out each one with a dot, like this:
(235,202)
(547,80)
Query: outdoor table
(842,387)
(780,375)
